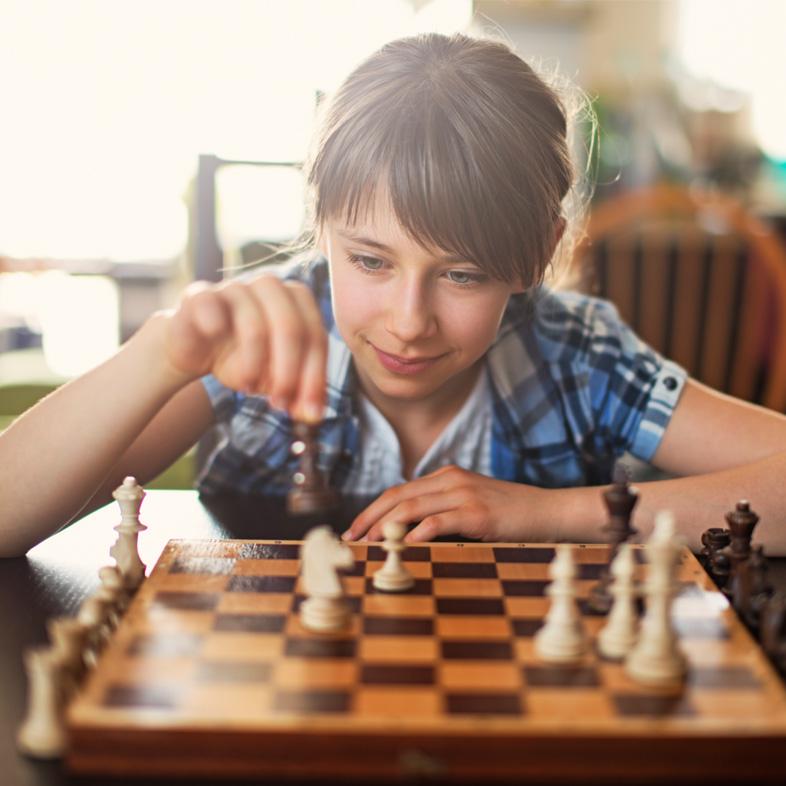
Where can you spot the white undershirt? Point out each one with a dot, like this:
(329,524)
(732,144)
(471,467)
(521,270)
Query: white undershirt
(465,442)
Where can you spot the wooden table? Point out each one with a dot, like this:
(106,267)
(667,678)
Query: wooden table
(56,576)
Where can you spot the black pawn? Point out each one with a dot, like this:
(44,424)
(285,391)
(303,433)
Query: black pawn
(620,499)
(714,557)
(311,493)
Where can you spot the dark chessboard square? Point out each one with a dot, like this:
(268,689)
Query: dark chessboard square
(410,554)
(471,606)
(320,648)
(651,705)
(458,649)
(464,570)
(561,676)
(269,551)
(536,554)
(358,569)
(354,603)
(420,587)
(312,701)
(212,566)
(528,588)
(587,610)
(590,570)
(284,584)
(159,697)
(526,627)
(724,677)
(165,645)
(250,623)
(398,626)
(233,671)
(483,704)
(385,674)
(187,601)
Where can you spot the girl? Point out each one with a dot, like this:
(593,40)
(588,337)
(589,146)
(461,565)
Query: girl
(420,336)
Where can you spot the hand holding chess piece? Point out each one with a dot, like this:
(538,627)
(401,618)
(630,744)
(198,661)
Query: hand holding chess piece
(322,553)
(393,576)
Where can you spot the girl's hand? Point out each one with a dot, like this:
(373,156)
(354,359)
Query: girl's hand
(260,335)
(452,501)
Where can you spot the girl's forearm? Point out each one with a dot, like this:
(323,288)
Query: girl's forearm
(698,502)
(55,455)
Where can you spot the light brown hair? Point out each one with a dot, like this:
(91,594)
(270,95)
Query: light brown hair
(469,141)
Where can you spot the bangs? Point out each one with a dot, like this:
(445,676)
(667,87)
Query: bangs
(461,175)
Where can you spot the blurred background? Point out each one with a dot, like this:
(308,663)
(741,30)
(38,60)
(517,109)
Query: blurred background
(145,144)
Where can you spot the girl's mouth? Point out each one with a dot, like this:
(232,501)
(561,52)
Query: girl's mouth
(399,365)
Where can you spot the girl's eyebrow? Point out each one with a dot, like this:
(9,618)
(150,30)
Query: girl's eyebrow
(367,241)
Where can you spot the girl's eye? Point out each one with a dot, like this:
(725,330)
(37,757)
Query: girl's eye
(366,264)
(465,277)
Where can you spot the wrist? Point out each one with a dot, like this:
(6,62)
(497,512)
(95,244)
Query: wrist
(151,339)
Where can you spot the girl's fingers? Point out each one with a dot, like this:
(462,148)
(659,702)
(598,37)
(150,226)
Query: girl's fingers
(287,339)
(439,481)
(449,522)
(247,354)
(310,400)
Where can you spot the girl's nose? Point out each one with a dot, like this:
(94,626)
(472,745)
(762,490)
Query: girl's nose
(410,315)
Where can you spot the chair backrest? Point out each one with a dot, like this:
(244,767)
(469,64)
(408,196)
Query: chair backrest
(700,279)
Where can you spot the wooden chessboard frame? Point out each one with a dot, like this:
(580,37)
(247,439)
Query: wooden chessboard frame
(226,611)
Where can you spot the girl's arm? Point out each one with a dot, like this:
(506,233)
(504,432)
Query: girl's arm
(732,450)
(138,411)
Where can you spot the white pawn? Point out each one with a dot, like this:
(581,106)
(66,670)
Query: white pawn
(68,636)
(322,553)
(113,592)
(618,635)
(393,576)
(562,639)
(656,659)
(125,552)
(93,616)
(42,735)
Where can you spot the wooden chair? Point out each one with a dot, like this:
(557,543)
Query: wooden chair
(700,279)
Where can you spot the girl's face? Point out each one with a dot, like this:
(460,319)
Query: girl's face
(416,320)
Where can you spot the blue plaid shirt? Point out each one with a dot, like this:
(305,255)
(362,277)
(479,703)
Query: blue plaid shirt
(572,388)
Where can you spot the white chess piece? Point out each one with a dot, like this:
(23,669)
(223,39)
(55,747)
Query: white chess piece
(129,496)
(113,591)
(393,576)
(618,635)
(656,659)
(321,554)
(68,636)
(562,638)
(42,734)
(92,615)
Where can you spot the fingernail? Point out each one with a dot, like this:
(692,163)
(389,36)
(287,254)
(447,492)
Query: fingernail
(313,413)
(347,535)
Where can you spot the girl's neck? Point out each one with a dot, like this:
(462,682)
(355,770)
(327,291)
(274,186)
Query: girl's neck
(418,424)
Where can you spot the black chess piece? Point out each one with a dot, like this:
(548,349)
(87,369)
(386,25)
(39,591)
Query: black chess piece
(311,493)
(714,557)
(620,499)
(759,588)
(742,521)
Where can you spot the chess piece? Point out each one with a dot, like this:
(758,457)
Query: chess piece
(129,496)
(68,636)
(311,493)
(562,638)
(322,553)
(42,734)
(113,591)
(714,557)
(620,499)
(93,614)
(656,659)
(393,576)
(759,588)
(618,635)
(773,630)
(742,521)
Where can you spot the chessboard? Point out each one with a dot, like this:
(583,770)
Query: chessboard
(210,672)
